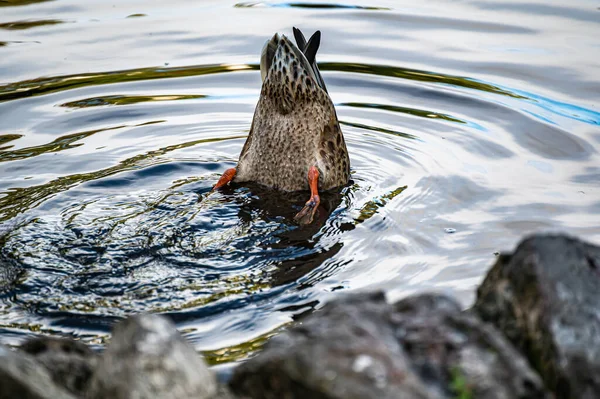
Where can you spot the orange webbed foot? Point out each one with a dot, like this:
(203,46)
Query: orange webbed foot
(227,177)
(306,215)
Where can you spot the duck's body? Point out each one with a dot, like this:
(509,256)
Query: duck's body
(282,147)
(295,141)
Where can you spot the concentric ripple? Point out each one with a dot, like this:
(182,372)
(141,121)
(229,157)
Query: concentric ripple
(457,147)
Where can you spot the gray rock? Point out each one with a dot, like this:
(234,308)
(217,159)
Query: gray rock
(70,363)
(148,358)
(457,355)
(346,350)
(362,347)
(23,377)
(546,298)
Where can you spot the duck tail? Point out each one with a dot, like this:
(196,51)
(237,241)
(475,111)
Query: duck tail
(309,49)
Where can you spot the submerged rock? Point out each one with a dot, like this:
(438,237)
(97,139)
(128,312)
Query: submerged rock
(362,347)
(69,363)
(21,376)
(546,299)
(148,358)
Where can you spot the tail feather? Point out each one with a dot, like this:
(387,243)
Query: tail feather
(310,51)
(300,39)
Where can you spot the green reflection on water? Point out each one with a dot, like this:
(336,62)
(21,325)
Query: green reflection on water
(19,200)
(228,286)
(41,86)
(60,144)
(332,5)
(378,129)
(127,100)
(35,328)
(412,111)
(372,207)
(240,351)
(213,357)
(5,138)
(22,25)
(251,4)
(415,74)
(10,3)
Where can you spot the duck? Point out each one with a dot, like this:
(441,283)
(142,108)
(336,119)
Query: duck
(295,141)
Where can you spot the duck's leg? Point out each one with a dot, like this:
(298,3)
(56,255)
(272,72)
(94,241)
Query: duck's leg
(225,178)
(305,216)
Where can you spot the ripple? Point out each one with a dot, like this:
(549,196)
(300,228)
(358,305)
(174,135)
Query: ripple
(128,100)
(415,75)
(63,143)
(6,138)
(119,253)
(563,109)
(568,13)
(372,207)
(405,110)
(22,25)
(464,133)
(14,3)
(305,5)
(591,176)
(42,86)
(377,129)
(19,200)
(416,22)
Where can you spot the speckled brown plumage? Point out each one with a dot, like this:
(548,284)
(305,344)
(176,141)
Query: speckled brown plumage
(295,127)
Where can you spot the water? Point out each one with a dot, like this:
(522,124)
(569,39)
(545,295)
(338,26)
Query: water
(469,124)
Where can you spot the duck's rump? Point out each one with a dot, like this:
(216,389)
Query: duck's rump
(282,161)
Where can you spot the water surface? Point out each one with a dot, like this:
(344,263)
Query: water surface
(469,124)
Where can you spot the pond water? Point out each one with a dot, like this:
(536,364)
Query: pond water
(469,124)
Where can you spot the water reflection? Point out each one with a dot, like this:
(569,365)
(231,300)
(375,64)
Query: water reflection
(42,86)
(60,144)
(125,253)
(306,5)
(128,100)
(411,111)
(22,25)
(416,75)
(17,201)
(5,138)
(11,3)
(466,129)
